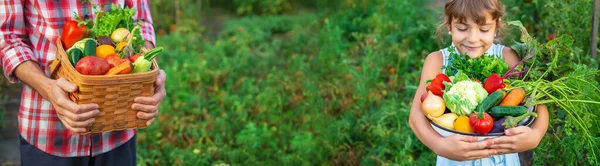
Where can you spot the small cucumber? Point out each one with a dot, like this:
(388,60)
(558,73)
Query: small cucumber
(90,48)
(490,101)
(502,111)
(74,56)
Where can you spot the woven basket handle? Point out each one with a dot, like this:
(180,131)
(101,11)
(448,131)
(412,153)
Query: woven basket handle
(54,66)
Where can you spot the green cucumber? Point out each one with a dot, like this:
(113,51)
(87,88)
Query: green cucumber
(74,56)
(502,111)
(90,48)
(492,100)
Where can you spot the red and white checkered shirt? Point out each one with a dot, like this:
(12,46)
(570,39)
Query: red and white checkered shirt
(28,32)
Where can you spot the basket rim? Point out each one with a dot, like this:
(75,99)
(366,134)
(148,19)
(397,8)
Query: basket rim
(64,62)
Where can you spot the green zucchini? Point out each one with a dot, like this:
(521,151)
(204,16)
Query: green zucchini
(492,100)
(502,111)
(90,48)
(74,56)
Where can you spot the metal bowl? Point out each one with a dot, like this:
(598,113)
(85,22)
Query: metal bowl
(445,132)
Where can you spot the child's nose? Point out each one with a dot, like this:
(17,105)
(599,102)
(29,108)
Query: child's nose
(473,36)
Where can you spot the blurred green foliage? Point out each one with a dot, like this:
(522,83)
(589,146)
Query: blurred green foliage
(331,86)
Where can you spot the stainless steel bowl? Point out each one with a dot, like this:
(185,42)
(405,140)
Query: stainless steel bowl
(445,132)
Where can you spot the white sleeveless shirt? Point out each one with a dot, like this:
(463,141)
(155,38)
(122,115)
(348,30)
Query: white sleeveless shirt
(505,159)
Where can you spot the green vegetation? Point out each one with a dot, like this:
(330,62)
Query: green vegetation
(329,86)
(328,82)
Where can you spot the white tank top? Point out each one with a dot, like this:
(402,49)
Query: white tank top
(494,50)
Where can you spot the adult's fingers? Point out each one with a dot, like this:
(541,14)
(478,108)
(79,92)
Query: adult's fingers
(66,85)
(155,99)
(160,80)
(67,125)
(66,103)
(147,115)
(78,120)
(149,122)
(146,100)
(144,108)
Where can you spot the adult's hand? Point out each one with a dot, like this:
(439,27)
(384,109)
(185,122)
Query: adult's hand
(147,107)
(75,117)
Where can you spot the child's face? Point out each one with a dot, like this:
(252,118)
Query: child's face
(471,38)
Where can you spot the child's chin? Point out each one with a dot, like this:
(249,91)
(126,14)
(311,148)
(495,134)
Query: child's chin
(473,55)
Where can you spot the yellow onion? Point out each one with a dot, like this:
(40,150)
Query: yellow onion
(119,35)
(433,105)
(446,120)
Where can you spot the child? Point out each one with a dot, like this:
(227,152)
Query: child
(473,25)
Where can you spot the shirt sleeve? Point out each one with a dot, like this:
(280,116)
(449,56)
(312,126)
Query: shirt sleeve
(13,39)
(144,15)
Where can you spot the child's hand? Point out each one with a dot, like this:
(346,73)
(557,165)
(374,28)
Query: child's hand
(517,139)
(460,148)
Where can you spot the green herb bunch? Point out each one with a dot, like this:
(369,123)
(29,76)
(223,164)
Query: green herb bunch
(476,68)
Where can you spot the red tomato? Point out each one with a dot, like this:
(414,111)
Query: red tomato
(134,57)
(482,124)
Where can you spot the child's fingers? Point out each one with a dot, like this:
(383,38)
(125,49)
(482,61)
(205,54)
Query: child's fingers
(503,151)
(503,146)
(505,140)
(477,145)
(516,130)
(477,154)
(465,138)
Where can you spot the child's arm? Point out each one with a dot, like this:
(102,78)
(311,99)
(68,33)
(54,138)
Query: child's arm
(523,138)
(456,147)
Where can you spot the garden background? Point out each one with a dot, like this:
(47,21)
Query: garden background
(314,82)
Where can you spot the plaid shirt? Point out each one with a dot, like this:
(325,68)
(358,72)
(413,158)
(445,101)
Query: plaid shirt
(28,32)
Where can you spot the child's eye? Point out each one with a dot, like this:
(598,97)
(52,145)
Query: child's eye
(459,29)
(484,30)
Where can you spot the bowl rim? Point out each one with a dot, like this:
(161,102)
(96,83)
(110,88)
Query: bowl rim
(529,122)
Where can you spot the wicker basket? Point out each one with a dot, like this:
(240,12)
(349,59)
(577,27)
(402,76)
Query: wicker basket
(114,94)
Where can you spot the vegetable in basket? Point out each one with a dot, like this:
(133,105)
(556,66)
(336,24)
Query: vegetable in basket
(144,63)
(91,65)
(72,32)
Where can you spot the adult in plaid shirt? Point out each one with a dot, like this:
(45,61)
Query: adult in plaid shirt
(49,123)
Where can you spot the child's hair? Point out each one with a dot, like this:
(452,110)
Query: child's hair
(475,9)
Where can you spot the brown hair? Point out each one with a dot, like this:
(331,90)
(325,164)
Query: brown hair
(475,9)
